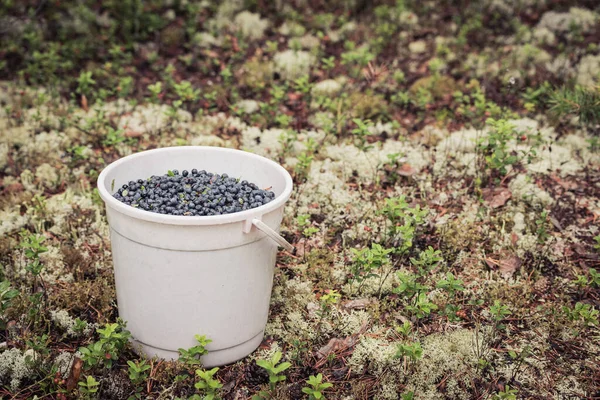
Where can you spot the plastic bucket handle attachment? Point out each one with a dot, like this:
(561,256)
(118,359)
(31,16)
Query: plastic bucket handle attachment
(277,238)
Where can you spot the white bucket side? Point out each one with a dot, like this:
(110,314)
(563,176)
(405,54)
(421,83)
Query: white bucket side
(181,276)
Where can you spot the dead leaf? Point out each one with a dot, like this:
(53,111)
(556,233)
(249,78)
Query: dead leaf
(336,344)
(564,184)
(514,238)
(294,96)
(506,263)
(496,197)
(406,170)
(84,103)
(133,134)
(556,223)
(357,304)
(508,266)
(74,374)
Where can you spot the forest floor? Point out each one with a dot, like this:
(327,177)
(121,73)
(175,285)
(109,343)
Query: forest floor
(446,203)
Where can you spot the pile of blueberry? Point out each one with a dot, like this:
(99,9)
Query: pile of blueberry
(193,193)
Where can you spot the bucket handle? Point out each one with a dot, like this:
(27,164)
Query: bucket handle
(261,226)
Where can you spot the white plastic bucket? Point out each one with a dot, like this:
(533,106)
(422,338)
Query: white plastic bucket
(179,276)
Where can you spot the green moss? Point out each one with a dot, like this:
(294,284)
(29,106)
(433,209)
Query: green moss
(367,105)
(438,86)
(255,74)
(172,36)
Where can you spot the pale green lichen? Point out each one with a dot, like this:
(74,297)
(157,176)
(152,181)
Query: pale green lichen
(292,64)
(373,355)
(544,36)
(205,39)
(11,221)
(3,155)
(266,143)
(223,18)
(328,87)
(54,266)
(47,176)
(292,28)
(463,144)
(248,106)
(250,25)
(308,42)
(417,47)
(16,366)
(46,144)
(563,22)
(151,118)
(326,189)
(588,71)
(64,321)
(352,322)
(452,355)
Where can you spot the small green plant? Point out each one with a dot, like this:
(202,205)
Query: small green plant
(597,240)
(155,92)
(138,371)
(32,244)
(89,387)
(186,92)
(316,387)
(78,153)
(428,260)
(275,370)
(85,82)
(405,329)
(79,325)
(593,280)
(412,351)
(409,285)
(498,312)
(303,166)
(541,230)
(284,120)
(494,145)
(405,220)
(408,396)
(421,307)
(578,101)
(583,312)
(328,63)
(303,84)
(328,300)
(112,341)
(7,294)
(207,384)
(113,136)
(361,133)
(506,394)
(366,261)
(450,284)
(192,355)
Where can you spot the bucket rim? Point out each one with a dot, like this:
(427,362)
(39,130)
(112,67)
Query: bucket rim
(110,201)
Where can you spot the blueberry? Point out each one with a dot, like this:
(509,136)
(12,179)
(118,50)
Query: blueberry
(192,193)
